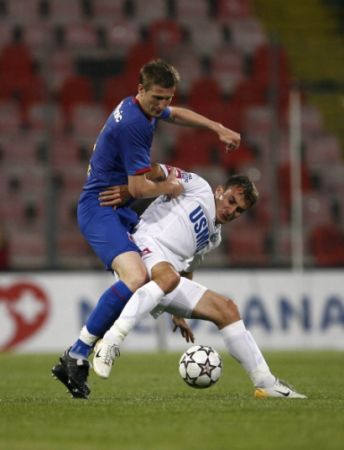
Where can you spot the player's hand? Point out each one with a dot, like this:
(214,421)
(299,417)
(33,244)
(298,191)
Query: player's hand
(174,185)
(185,330)
(229,137)
(114,195)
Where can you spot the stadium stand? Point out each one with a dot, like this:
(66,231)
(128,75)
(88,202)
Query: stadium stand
(65,64)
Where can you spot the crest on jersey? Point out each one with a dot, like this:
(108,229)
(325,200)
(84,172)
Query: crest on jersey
(117,114)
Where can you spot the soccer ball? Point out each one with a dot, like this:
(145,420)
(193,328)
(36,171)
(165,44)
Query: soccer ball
(200,366)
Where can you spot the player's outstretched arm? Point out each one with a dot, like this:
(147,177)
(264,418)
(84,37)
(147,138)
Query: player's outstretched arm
(186,117)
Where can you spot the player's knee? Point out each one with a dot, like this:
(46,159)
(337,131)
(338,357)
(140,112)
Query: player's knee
(135,279)
(167,281)
(229,313)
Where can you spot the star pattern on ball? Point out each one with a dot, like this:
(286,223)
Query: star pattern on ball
(201,366)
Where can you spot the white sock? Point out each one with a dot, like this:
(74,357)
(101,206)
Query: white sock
(140,304)
(242,346)
(87,337)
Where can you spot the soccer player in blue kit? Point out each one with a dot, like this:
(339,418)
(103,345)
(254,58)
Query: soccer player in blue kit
(121,156)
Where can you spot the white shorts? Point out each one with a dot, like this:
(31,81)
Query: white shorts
(153,253)
(182,300)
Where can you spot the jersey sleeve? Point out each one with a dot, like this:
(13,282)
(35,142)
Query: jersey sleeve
(165,114)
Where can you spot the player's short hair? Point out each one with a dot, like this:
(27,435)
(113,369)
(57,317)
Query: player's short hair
(251,193)
(158,72)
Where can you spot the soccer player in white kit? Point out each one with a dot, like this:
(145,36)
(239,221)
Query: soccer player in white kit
(173,235)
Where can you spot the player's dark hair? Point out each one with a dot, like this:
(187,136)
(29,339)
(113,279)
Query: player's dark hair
(250,191)
(158,72)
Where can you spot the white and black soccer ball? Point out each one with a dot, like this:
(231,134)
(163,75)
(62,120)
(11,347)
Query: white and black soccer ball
(200,366)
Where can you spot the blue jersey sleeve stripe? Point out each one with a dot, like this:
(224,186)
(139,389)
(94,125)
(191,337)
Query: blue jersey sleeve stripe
(141,171)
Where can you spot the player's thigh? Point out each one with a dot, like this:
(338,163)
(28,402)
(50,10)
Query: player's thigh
(106,232)
(216,308)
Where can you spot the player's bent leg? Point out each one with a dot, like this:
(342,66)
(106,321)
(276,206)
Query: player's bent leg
(208,305)
(164,279)
(73,367)
(217,309)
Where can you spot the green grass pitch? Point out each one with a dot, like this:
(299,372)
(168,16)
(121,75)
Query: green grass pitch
(146,406)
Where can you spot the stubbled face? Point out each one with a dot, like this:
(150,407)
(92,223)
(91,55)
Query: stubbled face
(230,204)
(154,100)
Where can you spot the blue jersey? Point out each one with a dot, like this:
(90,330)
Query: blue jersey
(122,149)
(123,146)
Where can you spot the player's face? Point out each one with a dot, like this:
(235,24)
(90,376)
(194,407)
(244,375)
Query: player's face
(155,99)
(230,204)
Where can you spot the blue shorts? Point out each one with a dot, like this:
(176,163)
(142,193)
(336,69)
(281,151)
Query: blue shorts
(107,230)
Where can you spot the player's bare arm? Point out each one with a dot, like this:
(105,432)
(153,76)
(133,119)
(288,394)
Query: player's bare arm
(140,186)
(185,330)
(119,195)
(114,195)
(186,117)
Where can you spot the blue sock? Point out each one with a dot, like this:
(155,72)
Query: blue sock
(79,348)
(107,310)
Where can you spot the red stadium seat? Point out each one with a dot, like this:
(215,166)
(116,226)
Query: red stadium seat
(188,65)
(66,148)
(108,11)
(16,67)
(22,12)
(10,117)
(38,35)
(247,93)
(231,9)
(228,68)
(166,34)
(262,65)
(327,245)
(6,34)
(71,243)
(244,247)
(191,148)
(80,36)
(206,37)
(72,178)
(204,90)
(42,116)
(284,182)
(65,11)
(323,150)
(317,210)
(247,34)
(28,248)
(75,90)
(191,11)
(138,55)
(67,210)
(88,120)
(117,88)
(157,10)
(22,148)
(122,35)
